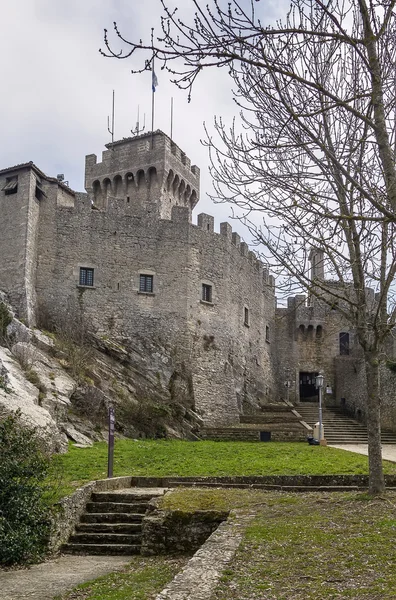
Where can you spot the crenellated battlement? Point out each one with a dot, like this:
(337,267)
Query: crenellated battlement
(206,223)
(148,167)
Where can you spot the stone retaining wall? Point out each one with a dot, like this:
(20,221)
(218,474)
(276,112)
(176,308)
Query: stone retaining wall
(257,481)
(176,531)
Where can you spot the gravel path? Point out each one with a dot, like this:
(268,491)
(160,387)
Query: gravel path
(48,579)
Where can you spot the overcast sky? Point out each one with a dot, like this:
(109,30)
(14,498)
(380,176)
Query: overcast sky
(57,88)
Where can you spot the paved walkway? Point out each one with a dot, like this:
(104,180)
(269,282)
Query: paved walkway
(388,450)
(48,579)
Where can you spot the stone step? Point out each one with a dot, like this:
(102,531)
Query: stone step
(283,419)
(116,507)
(339,428)
(106,538)
(124,497)
(253,435)
(106,549)
(109,527)
(109,517)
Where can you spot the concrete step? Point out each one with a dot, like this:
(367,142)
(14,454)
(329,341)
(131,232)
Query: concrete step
(116,517)
(116,507)
(109,527)
(119,539)
(106,549)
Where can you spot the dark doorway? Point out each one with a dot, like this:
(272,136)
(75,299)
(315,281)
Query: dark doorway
(308,391)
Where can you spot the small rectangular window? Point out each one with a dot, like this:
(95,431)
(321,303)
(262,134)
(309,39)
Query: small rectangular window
(146,283)
(206,292)
(267,333)
(344,344)
(246,316)
(86,276)
(11,186)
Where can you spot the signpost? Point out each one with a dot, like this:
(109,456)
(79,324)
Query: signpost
(319,385)
(110,458)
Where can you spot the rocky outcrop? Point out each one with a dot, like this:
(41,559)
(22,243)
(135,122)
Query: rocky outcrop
(17,393)
(65,388)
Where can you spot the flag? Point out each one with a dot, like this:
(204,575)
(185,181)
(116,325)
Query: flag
(154,80)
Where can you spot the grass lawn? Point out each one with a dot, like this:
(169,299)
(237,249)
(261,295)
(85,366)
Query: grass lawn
(206,458)
(331,546)
(310,546)
(142,579)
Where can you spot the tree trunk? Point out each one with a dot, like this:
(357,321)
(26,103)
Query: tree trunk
(376,476)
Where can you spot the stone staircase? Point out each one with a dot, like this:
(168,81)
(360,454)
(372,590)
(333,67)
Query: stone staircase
(112,523)
(338,427)
(277,419)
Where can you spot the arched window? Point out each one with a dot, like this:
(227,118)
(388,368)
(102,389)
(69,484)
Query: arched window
(117,186)
(97,193)
(344,344)
(140,178)
(169,180)
(106,188)
(176,183)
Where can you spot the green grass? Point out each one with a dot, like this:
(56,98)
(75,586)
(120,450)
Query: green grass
(305,547)
(181,458)
(142,579)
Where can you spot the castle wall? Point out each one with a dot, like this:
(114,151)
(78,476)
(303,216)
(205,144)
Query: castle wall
(226,361)
(235,354)
(351,387)
(308,341)
(18,250)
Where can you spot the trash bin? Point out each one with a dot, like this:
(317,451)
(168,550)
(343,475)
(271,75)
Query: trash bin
(265,436)
(316,432)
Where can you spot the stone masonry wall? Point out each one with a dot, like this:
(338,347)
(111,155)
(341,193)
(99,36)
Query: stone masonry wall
(227,362)
(15,211)
(135,170)
(351,386)
(308,341)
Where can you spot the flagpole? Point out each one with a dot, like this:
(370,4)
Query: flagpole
(152,90)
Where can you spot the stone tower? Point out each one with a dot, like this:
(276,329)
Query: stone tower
(316,258)
(144,170)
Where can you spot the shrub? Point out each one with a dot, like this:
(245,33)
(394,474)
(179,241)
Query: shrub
(148,417)
(5,320)
(34,378)
(24,512)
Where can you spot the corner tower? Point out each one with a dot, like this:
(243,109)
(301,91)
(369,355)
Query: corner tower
(142,170)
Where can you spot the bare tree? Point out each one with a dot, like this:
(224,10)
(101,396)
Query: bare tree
(311,162)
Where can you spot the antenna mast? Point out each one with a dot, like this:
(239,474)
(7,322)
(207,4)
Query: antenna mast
(137,129)
(171,133)
(111,131)
(153,84)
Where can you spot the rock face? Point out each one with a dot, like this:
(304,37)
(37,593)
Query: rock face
(16,393)
(64,390)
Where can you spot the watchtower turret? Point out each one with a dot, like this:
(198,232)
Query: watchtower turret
(316,258)
(144,169)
